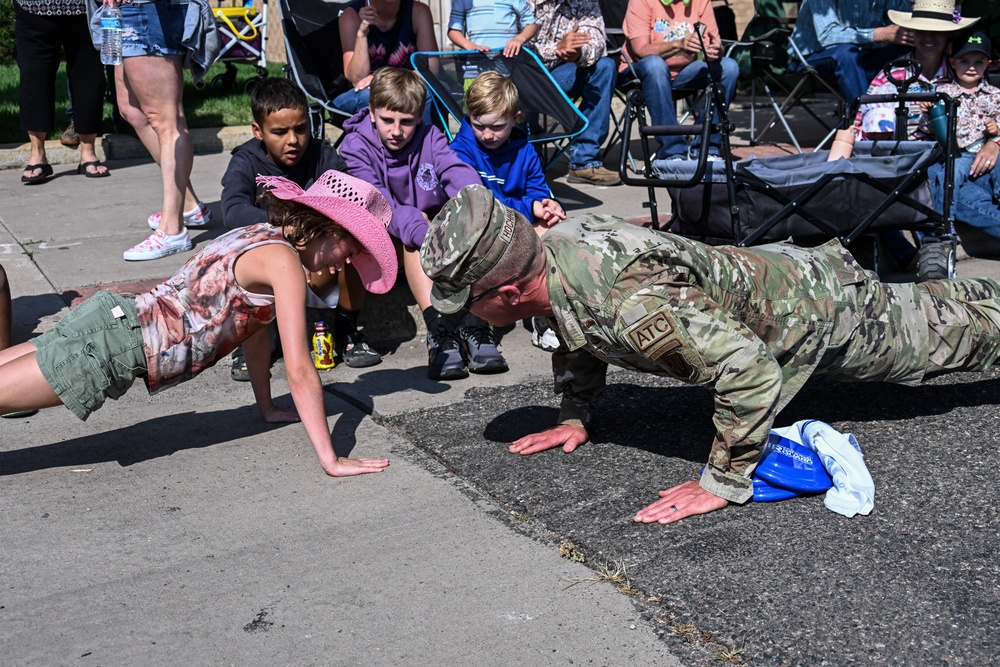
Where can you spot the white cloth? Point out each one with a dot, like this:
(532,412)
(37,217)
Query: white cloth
(853,489)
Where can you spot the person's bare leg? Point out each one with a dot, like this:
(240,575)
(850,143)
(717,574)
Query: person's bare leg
(352,290)
(155,87)
(6,319)
(420,284)
(22,385)
(37,155)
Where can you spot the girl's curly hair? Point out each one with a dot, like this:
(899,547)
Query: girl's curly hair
(302,224)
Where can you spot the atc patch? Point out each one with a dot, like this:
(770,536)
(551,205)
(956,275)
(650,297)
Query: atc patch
(651,335)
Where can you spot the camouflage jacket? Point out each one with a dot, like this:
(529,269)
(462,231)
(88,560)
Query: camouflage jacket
(752,324)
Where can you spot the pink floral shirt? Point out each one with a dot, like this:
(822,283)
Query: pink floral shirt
(201,314)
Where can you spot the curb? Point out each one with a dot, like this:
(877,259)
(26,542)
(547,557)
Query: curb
(124,147)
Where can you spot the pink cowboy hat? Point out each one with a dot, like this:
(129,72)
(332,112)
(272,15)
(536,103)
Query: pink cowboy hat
(360,209)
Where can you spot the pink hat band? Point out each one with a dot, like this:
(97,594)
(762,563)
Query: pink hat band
(360,209)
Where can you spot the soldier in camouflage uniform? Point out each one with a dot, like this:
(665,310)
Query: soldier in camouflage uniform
(752,324)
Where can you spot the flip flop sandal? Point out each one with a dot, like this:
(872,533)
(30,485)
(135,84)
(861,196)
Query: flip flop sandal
(19,414)
(96,164)
(40,178)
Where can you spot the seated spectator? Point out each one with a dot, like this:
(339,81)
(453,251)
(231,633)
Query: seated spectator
(664,49)
(976,181)
(482,25)
(380,33)
(572,45)
(849,42)
(410,163)
(509,166)
(878,121)
(281,147)
(489,141)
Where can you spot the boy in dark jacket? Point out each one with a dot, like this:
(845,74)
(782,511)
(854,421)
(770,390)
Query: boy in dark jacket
(410,162)
(281,147)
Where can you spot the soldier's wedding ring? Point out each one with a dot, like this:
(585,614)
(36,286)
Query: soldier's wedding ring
(673,507)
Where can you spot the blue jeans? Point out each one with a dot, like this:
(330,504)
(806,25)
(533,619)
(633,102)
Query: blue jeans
(658,88)
(849,66)
(973,201)
(353,101)
(595,84)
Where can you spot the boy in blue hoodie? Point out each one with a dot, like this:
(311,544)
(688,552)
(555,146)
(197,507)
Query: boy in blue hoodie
(281,147)
(409,161)
(507,164)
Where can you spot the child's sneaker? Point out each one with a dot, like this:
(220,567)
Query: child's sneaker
(239,371)
(199,217)
(481,344)
(444,352)
(158,245)
(355,351)
(543,336)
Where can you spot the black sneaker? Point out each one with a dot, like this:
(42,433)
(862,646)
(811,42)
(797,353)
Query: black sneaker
(481,343)
(444,352)
(239,370)
(356,352)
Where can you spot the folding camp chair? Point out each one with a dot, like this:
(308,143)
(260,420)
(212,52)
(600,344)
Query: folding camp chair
(312,43)
(548,114)
(764,54)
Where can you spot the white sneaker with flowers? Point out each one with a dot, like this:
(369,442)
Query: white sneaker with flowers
(158,245)
(199,217)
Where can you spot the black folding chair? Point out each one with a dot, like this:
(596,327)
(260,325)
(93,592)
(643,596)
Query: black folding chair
(312,43)
(764,53)
(549,116)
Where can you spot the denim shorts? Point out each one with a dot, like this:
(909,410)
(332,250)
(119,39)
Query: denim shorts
(93,353)
(153,28)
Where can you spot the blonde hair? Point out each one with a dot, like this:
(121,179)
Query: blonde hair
(492,92)
(399,90)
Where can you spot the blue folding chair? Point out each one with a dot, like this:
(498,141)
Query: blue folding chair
(549,116)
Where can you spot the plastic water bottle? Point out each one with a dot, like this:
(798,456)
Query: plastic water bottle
(111,36)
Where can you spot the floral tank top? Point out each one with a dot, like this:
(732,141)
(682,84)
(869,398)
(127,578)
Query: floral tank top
(201,314)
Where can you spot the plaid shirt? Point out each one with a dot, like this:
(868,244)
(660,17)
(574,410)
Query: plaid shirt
(555,18)
(825,23)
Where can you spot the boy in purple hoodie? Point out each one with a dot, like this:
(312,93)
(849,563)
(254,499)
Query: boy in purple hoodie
(412,165)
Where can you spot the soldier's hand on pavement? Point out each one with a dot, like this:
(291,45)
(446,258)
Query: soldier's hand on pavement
(681,501)
(570,437)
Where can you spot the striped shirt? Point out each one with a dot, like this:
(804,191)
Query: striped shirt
(490,23)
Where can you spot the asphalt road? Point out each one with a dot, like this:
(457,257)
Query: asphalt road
(789,583)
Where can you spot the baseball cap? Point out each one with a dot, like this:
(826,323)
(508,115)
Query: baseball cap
(978,42)
(464,241)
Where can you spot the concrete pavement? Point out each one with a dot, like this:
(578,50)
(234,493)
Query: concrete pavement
(182,530)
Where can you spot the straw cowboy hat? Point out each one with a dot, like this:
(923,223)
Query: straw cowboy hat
(933,16)
(360,209)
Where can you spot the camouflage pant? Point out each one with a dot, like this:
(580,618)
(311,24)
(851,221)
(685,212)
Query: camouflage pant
(963,318)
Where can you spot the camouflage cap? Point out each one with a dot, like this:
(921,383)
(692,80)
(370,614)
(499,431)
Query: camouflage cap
(464,242)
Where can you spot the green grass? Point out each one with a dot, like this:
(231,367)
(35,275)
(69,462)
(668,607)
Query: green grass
(208,107)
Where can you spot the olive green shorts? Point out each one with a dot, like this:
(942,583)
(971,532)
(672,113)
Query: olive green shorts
(94,353)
